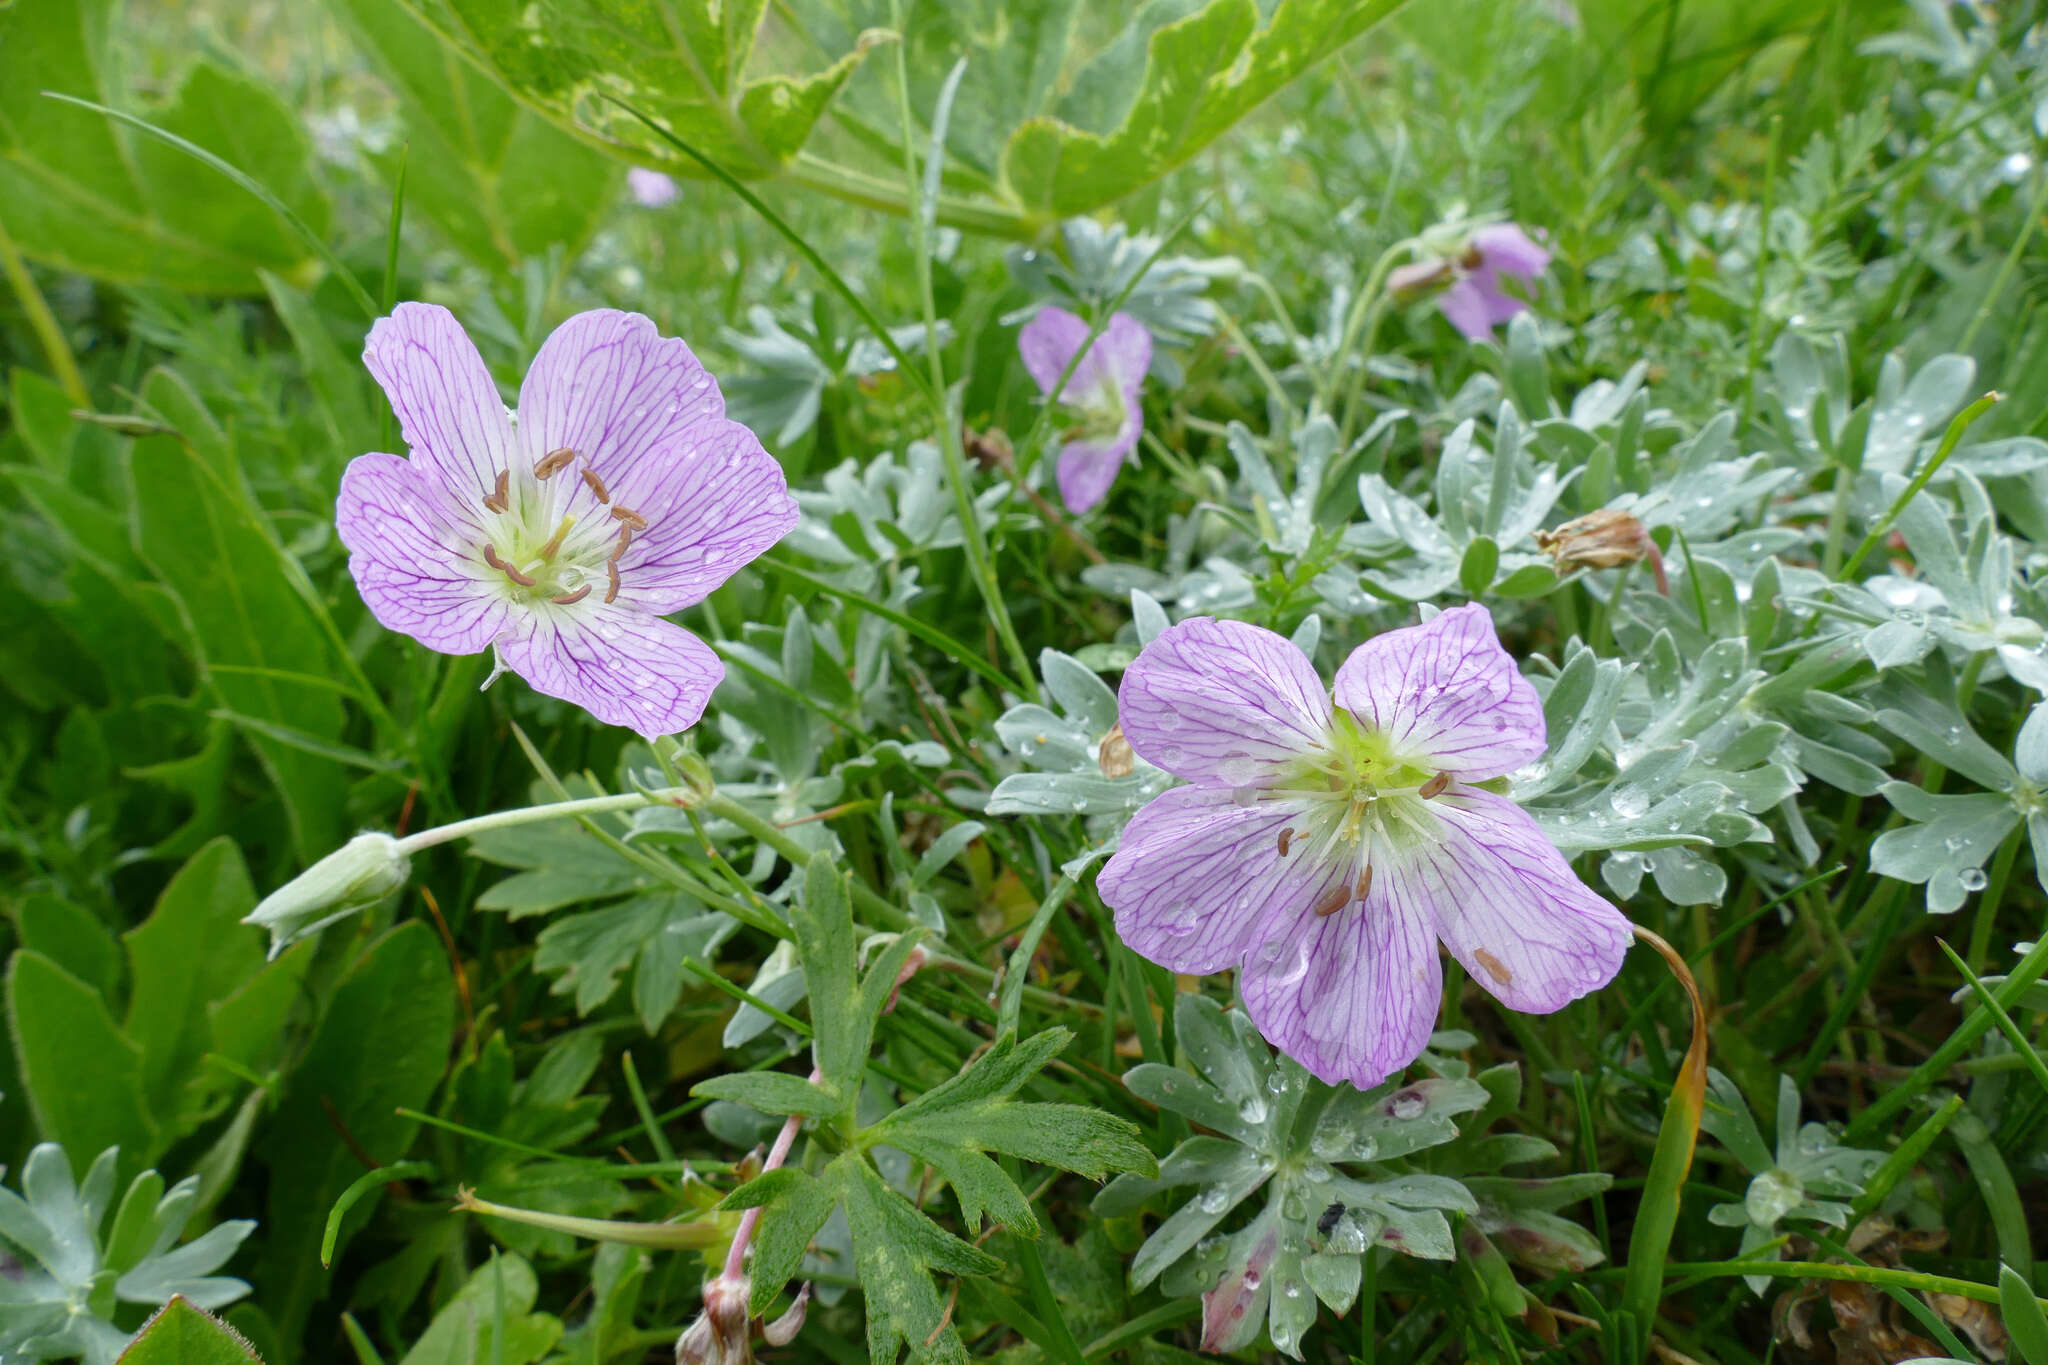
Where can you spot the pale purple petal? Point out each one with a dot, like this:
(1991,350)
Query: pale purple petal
(1223,703)
(1474,307)
(1086,469)
(1352,995)
(1199,875)
(1510,908)
(1048,342)
(1505,248)
(726,502)
(1125,347)
(410,556)
(447,405)
(1445,693)
(631,402)
(651,189)
(624,667)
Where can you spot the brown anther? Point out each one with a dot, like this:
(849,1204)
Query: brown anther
(570,599)
(1339,897)
(499,500)
(553,463)
(1364,886)
(1495,968)
(596,485)
(619,550)
(1286,837)
(611,592)
(496,561)
(1435,786)
(630,517)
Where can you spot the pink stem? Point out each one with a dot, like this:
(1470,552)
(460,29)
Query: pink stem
(735,1259)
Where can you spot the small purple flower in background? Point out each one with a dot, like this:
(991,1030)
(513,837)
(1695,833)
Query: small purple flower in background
(1102,393)
(1326,849)
(561,534)
(1475,303)
(652,189)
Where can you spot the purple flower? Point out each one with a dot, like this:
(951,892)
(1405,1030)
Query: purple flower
(561,534)
(651,189)
(1102,393)
(1475,304)
(1326,849)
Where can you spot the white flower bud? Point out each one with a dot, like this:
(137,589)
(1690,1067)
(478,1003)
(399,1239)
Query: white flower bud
(354,877)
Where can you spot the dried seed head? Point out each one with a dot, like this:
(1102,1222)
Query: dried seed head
(990,450)
(1606,539)
(1115,755)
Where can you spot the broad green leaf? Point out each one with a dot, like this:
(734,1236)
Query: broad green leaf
(83,1075)
(842,1030)
(71,937)
(380,1046)
(489,1319)
(498,181)
(1202,74)
(190,952)
(201,531)
(82,194)
(180,1334)
(680,62)
(896,1249)
(652,934)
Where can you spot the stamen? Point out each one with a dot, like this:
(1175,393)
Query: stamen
(619,551)
(1364,883)
(500,500)
(492,558)
(1495,968)
(1339,897)
(1285,835)
(553,463)
(570,599)
(554,545)
(611,569)
(630,517)
(1435,786)
(596,485)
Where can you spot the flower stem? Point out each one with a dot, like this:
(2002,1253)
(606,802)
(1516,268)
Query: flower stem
(554,810)
(43,322)
(736,1256)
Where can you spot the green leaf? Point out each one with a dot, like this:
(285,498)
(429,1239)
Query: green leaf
(498,181)
(799,1209)
(82,1073)
(1202,74)
(189,953)
(86,195)
(381,1046)
(180,1334)
(71,937)
(490,1319)
(772,1092)
(201,531)
(658,932)
(2024,1319)
(842,1029)
(896,1249)
(682,63)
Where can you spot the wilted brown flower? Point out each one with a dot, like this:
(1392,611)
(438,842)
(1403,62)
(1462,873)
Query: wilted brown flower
(1115,754)
(1604,539)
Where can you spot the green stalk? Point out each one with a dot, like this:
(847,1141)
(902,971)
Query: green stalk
(1949,441)
(43,322)
(979,561)
(857,187)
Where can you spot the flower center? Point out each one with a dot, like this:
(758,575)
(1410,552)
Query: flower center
(1096,413)
(544,552)
(1366,801)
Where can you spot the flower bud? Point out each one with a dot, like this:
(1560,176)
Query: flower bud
(1114,755)
(1604,539)
(354,877)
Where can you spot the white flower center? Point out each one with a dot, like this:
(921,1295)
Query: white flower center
(543,552)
